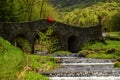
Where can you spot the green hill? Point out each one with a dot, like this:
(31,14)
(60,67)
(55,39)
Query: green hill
(68,5)
(11,60)
(84,13)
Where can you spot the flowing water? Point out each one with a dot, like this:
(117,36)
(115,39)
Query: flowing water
(76,68)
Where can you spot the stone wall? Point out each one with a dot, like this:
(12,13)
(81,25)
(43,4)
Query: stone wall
(71,38)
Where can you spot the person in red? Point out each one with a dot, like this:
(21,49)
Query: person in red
(49,19)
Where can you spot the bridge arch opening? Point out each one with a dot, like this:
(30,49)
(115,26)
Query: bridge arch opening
(72,43)
(23,43)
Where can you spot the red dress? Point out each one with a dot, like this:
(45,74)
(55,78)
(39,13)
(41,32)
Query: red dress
(49,19)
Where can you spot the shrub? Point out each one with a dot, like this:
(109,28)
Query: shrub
(48,40)
(117,64)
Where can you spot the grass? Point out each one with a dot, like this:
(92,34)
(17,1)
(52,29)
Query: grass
(11,60)
(99,50)
(100,56)
(111,50)
(16,65)
(41,63)
(34,76)
(61,52)
(110,44)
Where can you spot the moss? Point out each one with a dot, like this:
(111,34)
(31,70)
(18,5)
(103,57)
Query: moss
(62,52)
(100,56)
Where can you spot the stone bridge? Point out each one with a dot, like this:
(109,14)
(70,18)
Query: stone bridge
(71,38)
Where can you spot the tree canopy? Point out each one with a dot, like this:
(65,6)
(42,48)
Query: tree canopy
(25,10)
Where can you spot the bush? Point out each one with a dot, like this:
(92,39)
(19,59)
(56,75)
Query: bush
(86,52)
(47,39)
(117,64)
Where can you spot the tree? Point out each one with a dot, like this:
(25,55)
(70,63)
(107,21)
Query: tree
(113,23)
(25,10)
(48,40)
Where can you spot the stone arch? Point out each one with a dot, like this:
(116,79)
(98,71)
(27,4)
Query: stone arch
(22,42)
(72,43)
(36,42)
(15,40)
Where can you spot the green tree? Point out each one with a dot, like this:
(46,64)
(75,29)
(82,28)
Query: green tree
(25,10)
(49,41)
(113,23)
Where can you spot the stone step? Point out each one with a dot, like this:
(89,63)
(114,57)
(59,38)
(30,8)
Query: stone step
(83,60)
(86,64)
(85,78)
(83,71)
(78,68)
(84,74)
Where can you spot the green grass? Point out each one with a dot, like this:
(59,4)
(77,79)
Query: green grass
(100,56)
(42,63)
(11,60)
(110,50)
(99,45)
(115,34)
(62,52)
(34,76)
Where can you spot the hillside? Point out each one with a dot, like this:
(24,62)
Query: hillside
(14,63)
(11,60)
(84,13)
(68,5)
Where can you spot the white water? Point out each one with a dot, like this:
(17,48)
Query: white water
(85,78)
(83,64)
(66,57)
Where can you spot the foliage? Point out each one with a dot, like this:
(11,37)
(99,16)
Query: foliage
(12,60)
(25,10)
(117,64)
(87,15)
(48,40)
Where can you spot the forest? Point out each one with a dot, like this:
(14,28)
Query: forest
(81,13)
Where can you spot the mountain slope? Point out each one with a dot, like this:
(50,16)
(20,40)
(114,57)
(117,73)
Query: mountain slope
(11,60)
(69,5)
